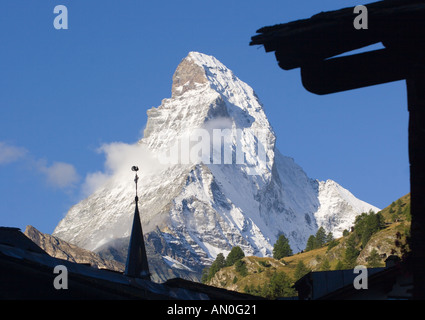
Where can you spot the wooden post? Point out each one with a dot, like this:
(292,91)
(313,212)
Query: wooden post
(416,105)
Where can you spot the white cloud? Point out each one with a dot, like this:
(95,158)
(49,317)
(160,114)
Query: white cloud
(60,174)
(94,181)
(10,153)
(119,158)
(122,156)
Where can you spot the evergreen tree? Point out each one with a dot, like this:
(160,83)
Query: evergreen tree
(366,235)
(205,273)
(330,237)
(332,243)
(234,255)
(281,248)
(325,265)
(240,267)
(279,286)
(310,243)
(300,270)
(366,225)
(351,253)
(406,212)
(250,289)
(218,264)
(320,238)
(374,260)
(339,265)
(399,212)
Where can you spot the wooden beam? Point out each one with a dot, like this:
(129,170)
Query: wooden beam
(353,72)
(416,105)
(328,34)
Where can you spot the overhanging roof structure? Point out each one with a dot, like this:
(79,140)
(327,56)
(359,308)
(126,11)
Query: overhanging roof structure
(27,273)
(320,47)
(313,44)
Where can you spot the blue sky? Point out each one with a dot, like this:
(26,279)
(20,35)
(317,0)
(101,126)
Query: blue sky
(64,93)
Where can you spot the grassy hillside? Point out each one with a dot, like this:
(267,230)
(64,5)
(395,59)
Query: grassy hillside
(359,246)
(398,210)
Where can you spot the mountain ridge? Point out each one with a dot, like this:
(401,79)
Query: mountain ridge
(239,191)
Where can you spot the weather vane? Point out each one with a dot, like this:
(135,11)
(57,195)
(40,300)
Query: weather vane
(136,178)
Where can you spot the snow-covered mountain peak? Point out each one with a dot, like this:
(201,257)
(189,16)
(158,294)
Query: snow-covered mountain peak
(338,207)
(223,184)
(189,75)
(199,71)
(220,78)
(207,95)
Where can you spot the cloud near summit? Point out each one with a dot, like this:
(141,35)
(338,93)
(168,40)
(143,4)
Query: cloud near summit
(120,157)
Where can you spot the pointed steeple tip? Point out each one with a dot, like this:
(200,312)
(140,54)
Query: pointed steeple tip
(137,262)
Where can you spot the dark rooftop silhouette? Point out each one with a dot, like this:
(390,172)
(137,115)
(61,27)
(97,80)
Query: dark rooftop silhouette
(313,44)
(27,272)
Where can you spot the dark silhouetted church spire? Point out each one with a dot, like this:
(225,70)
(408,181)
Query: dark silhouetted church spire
(137,262)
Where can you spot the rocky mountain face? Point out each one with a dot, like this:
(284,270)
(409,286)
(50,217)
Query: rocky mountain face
(210,178)
(60,249)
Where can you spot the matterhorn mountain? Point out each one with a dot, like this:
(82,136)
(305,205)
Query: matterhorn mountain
(210,178)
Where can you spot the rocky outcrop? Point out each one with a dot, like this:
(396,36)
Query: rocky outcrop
(60,249)
(113,255)
(384,242)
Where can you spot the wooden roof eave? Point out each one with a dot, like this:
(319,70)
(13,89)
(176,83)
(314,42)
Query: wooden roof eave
(328,34)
